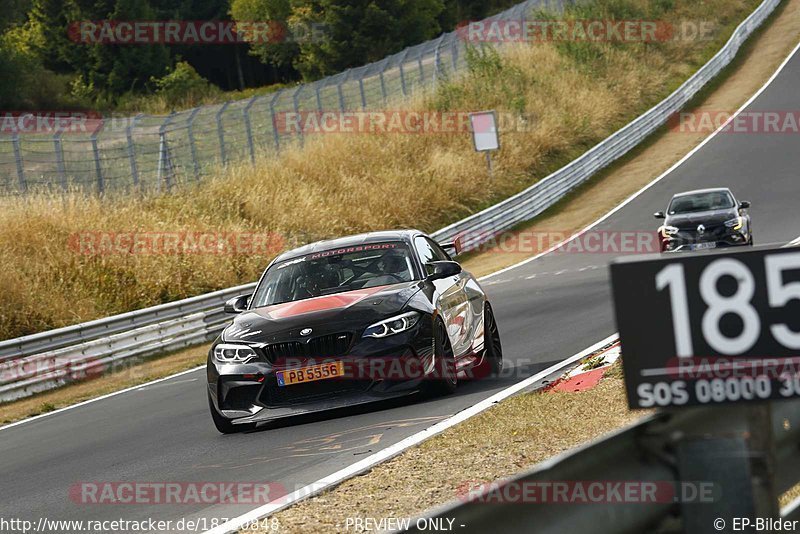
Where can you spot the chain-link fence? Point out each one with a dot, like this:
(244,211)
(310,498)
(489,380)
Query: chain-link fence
(157,153)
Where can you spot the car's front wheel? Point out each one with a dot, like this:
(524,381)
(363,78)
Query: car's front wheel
(444,379)
(223,424)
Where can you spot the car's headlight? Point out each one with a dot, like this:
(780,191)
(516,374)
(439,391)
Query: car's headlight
(669,230)
(233,353)
(393,325)
(735,224)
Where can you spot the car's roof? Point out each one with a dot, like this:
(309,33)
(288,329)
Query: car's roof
(350,241)
(699,191)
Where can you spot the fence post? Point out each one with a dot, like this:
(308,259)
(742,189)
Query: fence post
(23,186)
(317,87)
(402,74)
(454,51)
(339,90)
(275,133)
(421,68)
(165,168)
(97,168)
(248,128)
(192,146)
(296,103)
(221,132)
(437,60)
(132,150)
(59,149)
(383,82)
(361,90)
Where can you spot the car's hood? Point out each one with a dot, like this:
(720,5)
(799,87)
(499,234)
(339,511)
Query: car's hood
(347,311)
(707,218)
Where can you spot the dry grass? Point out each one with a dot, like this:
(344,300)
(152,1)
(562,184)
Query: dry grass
(74,393)
(492,445)
(340,184)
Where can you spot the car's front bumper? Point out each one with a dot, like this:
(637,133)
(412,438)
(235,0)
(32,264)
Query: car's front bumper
(687,242)
(375,370)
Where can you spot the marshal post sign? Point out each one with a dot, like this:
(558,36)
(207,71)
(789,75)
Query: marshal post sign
(709,328)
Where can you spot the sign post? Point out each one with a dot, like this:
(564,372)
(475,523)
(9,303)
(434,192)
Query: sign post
(483,126)
(715,329)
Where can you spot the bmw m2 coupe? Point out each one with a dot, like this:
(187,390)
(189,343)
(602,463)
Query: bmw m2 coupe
(349,321)
(705,219)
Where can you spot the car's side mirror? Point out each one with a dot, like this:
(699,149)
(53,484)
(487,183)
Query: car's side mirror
(744,204)
(442,269)
(452,246)
(237,304)
(659,215)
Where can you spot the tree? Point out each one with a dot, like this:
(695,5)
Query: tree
(356,32)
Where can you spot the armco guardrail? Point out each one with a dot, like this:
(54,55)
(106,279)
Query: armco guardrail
(38,362)
(665,448)
(542,195)
(73,341)
(156,153)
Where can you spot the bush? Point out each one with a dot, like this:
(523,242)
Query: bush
(183,87)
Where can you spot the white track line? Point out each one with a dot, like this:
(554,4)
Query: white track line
(389,452)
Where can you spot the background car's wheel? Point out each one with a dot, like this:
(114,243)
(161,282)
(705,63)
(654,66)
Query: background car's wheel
(494,349)
(443,380)
(223,424)
(751,240)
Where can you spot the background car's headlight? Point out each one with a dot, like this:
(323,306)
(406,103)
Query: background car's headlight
(669,230)
(393,325)
(736,223)
(233,353)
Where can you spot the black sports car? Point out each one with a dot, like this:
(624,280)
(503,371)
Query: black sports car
(705,219)
(349,321)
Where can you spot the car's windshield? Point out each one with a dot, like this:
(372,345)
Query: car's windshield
(335,271)
(712,200)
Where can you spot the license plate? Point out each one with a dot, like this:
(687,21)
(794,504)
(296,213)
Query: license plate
(310,374)
(703,246)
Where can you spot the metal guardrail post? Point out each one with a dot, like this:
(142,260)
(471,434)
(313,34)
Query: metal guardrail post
(23,186)
(59,150)
(421,67)
(221,132)
(97,167)
(132,150)
(275,133)
(192,144)
(248,129)
(454,50)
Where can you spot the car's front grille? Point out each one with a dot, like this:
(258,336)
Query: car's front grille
(317,347)
(710,233)
(274,395)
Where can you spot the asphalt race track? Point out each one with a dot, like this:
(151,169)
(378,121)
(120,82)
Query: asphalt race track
(547,310)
